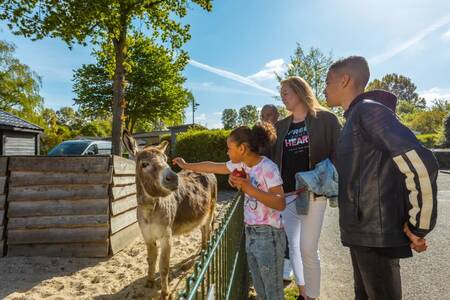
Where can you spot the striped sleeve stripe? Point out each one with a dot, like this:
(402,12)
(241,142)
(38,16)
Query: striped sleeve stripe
(424,187)
(410,185)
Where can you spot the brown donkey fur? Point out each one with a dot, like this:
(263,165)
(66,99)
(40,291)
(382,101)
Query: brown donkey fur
(169,204)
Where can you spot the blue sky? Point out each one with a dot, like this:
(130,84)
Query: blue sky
(236,47)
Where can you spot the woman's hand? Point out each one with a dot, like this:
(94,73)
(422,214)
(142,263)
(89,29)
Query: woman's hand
(243,184)
(180,162)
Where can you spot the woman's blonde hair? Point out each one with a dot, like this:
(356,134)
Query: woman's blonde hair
(304,91)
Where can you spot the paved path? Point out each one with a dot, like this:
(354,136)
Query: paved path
(425,276)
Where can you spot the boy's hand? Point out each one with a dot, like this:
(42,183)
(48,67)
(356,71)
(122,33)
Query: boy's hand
(243,184)
(418,244)
(179,161)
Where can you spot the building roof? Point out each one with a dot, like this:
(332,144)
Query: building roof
(11,121)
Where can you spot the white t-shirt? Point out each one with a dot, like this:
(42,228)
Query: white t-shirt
(263,176)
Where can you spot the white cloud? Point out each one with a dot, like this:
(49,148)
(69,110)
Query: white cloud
(211,87)
(446,35)
(274,66)
(217,113)
(411,42)
(232,76)
(435,93)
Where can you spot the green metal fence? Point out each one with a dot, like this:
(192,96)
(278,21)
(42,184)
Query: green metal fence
(221,270)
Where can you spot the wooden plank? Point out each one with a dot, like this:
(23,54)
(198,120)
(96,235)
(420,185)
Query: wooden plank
(57,235)
(1,232)
(2,247)
(58,192)
(18,178)
(123,191)
(124,237)
(123,180)
(2,201)
(2,216)
(124,204)
(62,250)
(123,220)
(3,165)
(58,208)
(3,180)
(123,166)
(58,221)
(83,164)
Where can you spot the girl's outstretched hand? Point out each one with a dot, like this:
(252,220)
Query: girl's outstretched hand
(243,184)
(179,161)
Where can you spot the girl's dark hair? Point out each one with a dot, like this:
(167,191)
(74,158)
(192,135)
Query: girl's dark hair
(259,138)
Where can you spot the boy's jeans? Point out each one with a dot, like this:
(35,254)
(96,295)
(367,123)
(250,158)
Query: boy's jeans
(265,246)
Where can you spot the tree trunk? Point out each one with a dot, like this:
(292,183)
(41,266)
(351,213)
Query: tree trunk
(118,92)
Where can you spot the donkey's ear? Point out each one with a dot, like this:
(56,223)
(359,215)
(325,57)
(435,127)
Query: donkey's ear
(163,146)
(129,142)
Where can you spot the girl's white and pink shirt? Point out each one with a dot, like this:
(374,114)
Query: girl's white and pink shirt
(264,175)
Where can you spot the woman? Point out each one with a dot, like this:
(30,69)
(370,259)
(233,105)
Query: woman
(308,136)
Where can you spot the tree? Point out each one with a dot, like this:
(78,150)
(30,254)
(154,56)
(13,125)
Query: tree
(69,117)
(312,66)
(101,21)
(401,86)
(19,86)
(229,118)
(441,105)
(427,121)
(446,123)
(282,111)
(154,89)
(248,115)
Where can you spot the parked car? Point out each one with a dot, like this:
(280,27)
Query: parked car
(82,147)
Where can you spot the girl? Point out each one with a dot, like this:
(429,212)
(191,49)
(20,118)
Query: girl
(264,199)
(308,136)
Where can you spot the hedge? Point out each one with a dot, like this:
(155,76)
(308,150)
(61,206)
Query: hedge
(204,145)
(429,140)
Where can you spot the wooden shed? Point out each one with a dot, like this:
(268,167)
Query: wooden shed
(18,137)
(70,206)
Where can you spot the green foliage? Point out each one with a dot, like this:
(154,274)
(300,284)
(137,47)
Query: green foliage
(100,22)
(446,130)
(154,89)
(204,145)
(401,86)
(248,115)
(429,140)
(311,66)
(426,121)
(282,111)
(19,86)
(229,118)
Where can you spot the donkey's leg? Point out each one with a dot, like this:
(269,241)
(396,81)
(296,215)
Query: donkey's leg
(152,255)
(164,264)
(207,228)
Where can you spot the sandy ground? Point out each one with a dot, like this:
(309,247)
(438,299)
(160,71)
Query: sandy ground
(122,276)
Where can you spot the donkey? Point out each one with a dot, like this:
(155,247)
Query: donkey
(169,204)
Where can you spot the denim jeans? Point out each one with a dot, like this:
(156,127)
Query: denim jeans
(265,247)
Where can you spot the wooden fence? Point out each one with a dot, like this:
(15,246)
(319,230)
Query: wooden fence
(70,206)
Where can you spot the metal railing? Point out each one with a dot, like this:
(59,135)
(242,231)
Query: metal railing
(221,270)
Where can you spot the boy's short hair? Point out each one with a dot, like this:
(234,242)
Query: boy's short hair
(356,66)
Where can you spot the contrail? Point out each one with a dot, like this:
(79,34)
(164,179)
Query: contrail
(232,76)
(411,42)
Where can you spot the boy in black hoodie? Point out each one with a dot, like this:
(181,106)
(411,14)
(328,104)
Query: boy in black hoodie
(387,182)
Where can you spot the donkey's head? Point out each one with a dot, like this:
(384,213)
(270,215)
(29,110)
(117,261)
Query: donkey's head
(152,171)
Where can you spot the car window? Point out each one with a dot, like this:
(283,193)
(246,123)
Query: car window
(69,148)
(92,150)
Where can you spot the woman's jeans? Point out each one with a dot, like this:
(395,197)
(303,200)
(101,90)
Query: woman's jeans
(303,233)
(265,246)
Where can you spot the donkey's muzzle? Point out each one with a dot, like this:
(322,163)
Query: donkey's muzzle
(170,180)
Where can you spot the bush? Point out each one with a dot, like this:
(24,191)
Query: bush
(429,140)
(204,145)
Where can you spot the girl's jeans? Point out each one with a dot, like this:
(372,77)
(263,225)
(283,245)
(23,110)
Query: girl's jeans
(265,246)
